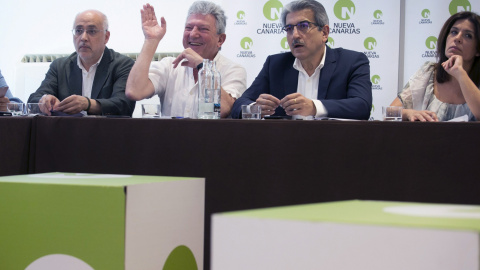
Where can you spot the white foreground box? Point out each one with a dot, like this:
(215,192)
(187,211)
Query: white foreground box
(60,221)
(348,235)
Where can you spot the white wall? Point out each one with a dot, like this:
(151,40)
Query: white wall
(38,27)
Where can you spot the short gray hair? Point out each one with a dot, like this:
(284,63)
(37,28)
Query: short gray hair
(321,17)
(205,8)
(104,17)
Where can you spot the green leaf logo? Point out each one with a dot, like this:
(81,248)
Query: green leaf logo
(272,10)
(246,43)
(241,15)
(425,13)
(431,42)
(377,14)
(284,43)
(375,79)
(344,9)
(370,43)
(458,6)
(330,42)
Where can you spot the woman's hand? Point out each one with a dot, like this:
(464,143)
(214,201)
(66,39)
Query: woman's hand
(422,116)
(454,66)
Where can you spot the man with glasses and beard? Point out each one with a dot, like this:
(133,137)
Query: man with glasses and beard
(312,80)
(92,79)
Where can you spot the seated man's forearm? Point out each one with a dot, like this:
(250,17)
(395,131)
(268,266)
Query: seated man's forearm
(138,84)
(226,104)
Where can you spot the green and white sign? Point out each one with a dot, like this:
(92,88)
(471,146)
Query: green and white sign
(272,10)
(459,6)
(94,221)
(344,9)
(370,235)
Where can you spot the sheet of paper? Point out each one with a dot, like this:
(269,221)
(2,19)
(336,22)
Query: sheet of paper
(463,118)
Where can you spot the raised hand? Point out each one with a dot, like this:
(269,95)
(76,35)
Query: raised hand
(151,28)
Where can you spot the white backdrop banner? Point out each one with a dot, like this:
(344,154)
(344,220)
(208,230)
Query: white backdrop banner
(255,31)
(423,22)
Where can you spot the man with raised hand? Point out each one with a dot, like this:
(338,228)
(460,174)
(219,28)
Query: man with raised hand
(175,80)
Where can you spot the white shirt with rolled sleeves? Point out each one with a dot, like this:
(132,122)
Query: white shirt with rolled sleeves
(177,89)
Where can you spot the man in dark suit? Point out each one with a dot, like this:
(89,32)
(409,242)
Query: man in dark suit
(92,79)
(311,80)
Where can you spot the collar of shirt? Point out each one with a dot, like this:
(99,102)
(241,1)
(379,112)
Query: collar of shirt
(298,65)
(88,76)
(308,85)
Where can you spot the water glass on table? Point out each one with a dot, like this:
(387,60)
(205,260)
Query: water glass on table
(392,113)
(16,109)
(35,109)
(252,112)
(150,110)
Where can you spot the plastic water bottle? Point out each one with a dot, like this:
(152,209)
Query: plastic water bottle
(205,92)
(216,82)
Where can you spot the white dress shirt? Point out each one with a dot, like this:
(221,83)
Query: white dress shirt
(177,88)
(88,76)
(308,85)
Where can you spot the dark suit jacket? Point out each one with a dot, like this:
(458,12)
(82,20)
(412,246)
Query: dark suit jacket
(64,78)
(344,89)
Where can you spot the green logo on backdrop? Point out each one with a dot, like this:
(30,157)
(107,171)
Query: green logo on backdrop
(377,14)
(284,43)
(431,42)
(181,258)
(370,43)
(344,9)
(330,42)
(246,43)
(272,10)
(458,6)
(241,15)
(375,79)
(425,13)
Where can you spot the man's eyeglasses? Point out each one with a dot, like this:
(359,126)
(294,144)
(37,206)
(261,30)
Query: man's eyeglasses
(91,32)
(302,27)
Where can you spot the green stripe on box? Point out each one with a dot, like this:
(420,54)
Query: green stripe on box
(440,216)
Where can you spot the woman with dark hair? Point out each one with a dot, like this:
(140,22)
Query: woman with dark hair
(449,88)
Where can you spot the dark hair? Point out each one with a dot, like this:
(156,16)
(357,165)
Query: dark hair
(321,17)
(474,73)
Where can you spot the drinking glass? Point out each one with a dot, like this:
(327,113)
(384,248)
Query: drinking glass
(17,109)
(392,113)
(251,112)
